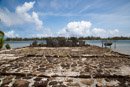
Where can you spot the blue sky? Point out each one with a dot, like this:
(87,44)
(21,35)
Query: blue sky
(42,18)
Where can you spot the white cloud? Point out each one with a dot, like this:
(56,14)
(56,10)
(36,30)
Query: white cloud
(63,33)
(79,25)
(11,34)
(105,33)
(21,16)
(76,28)
(114,32)
(36,20)
(9,18)
(99,32)
(43,33)
(25,7)
(84,28)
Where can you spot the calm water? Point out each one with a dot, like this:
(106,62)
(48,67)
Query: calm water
(122,46)
(18,44)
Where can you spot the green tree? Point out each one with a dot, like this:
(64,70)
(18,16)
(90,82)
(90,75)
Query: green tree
(7,46)
(1,39)
(74,40)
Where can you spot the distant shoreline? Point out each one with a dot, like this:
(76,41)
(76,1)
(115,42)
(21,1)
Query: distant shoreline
(44,40)
(80,38)
(113,51)
(20,44)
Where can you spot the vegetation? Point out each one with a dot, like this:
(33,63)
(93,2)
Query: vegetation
(7,46)
(34,43)
(1,39)
(74,40)
(63,38)
(64,42)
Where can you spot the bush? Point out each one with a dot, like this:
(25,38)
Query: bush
(74,41)
(61,41)
(1,42)
(41,44)
(7,46)
(1,39)
(49,42)
(34,43)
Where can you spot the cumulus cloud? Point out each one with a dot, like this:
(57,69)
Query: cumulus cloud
(25,7)
(104,32)
(114,32)
(43,33)
(84,28)
(11,34)
(36,20)
(79,25)
(99,32)
(21,16)
(9,18)
(76,28)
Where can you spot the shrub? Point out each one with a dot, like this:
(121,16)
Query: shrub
(61,41)
(41,44)
(1,39)
(7,46)
(74,40)
(34,43)
(49,42)
(1,42)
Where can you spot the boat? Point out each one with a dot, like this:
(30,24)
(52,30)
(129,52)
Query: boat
(107,43)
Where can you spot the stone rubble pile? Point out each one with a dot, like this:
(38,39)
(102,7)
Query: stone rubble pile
(90,66)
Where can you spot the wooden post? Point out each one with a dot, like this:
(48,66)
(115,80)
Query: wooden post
(102,43)
(115,45)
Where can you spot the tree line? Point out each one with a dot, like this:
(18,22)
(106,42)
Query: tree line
(68,38)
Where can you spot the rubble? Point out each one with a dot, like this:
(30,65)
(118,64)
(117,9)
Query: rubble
(89,66)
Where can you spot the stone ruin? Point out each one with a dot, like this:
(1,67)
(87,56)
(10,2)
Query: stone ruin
(89,66)
(64,43)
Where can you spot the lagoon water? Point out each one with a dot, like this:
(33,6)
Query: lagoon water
(122,46)
(18,44)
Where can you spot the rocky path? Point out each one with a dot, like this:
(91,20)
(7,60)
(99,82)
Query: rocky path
(64,67)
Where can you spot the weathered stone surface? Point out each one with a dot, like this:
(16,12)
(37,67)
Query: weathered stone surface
(59,86)
(7,80)
(53,83)
(41,69)
(64,67)
(21,83)
(73,84)
(41,83)
(37,79)
(87,81)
